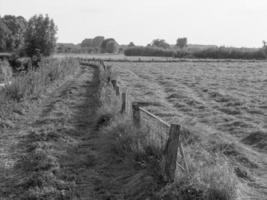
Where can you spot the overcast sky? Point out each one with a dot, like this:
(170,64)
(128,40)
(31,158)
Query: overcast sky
(220,22)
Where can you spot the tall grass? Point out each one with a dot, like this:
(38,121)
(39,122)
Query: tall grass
(5,72)
(31,84)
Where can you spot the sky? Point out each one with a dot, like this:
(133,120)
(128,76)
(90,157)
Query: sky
(240,23)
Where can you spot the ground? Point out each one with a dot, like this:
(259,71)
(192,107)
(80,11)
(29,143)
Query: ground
(57,130)
(52,150)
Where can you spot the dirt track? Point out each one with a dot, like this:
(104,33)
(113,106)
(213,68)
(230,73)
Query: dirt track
(51,145)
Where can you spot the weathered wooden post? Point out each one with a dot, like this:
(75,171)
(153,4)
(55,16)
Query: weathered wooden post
(117,90)
(124,102)
(136,114)
(170,152)
(104,66)
(114,83)
(109,72)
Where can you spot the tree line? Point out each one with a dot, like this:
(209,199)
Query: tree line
(160,48)
(25,38)
(98,44)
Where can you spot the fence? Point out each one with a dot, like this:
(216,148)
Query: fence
(166,136)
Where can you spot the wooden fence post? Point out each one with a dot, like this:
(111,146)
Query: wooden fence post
(124,102)
(136,114)
(114,83)
(170,152)
(117,90)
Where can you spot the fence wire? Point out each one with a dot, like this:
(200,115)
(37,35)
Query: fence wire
(158,132)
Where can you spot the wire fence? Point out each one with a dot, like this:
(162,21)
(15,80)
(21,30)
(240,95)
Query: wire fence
(159,133)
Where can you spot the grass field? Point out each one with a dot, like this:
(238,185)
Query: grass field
(226,103)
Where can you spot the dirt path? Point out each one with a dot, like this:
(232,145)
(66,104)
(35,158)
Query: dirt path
(49,155)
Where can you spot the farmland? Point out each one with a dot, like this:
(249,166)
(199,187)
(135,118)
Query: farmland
(223,102)
(76,126)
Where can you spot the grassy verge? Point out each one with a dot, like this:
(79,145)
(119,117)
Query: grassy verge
(136,162)
(27,87)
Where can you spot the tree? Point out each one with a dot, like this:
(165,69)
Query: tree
(112,47)
(181,42)
(87,43)
(40,34)
(17,27)
(4,33)
(109,46)
(131,44)
(97,41)
(160,43)
(93,45)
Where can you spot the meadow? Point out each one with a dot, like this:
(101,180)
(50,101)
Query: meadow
(220,105)
(224,103)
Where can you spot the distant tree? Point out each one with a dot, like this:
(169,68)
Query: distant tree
(40,34)
(87,43)
(112,47)
(160,43)
(97,41)
(181,42)
(131,44)
(109,46)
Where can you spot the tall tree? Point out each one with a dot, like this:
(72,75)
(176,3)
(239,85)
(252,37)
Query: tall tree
(40,35)
(181,42)
(17,27)
(97,41)
(131,44)
(4,33)
(109,46)
(160,43)
(87,43)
